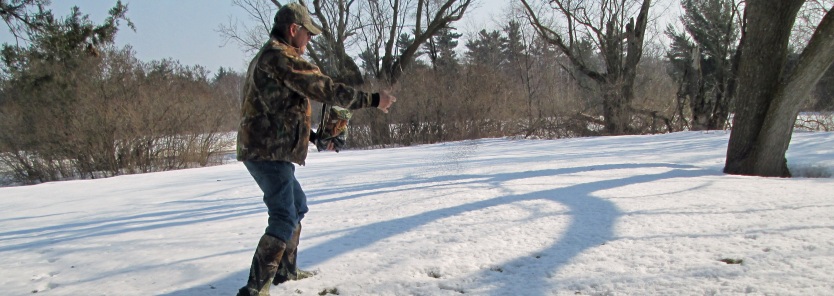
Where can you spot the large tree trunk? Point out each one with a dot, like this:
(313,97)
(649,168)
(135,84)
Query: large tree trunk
(781,116)
(768,103)
(616,107)
(763,56)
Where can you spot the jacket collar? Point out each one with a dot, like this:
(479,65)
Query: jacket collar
(280,42)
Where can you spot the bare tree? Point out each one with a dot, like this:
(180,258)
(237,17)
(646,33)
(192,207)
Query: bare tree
(329,50)
(250,39)
(431,17)
(338,21)
(341,20)
(617,35)
(768,96)
(381,22)
(807,19)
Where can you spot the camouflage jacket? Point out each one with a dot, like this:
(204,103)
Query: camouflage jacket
(275,110)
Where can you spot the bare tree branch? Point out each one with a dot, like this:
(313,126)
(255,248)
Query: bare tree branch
(450,11)
(554,38)
(619,38)
(17,17)
(250,39)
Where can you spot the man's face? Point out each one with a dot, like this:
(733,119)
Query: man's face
(300,37)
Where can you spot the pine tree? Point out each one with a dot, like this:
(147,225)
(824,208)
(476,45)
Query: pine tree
(441,49)
(486,49)
(702,60)
(514,47)
(370,61)
(404,41)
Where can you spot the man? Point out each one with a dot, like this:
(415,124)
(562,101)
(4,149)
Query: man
(273,134)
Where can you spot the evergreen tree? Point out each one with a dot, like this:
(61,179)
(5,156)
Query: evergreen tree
(486,49)
(701,58)
(403,42)
(44,88)
(222,73)
(24,16)
(370,61)
(514,47)
(441,48)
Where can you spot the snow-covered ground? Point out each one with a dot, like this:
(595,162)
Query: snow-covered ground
(635,215)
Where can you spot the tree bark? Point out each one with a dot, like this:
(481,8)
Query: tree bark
(778,127)
(769,99)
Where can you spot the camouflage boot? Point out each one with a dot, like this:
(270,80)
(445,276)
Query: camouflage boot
(288,269)
(264,266)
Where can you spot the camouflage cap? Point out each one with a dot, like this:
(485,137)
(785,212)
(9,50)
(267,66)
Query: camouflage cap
(294,13)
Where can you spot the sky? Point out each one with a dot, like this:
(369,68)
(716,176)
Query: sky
(627,215)
(185,30)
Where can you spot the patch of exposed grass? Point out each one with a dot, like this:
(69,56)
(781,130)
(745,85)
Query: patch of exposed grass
(732,261)
(333,291)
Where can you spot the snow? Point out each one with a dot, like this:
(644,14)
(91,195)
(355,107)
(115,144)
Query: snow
(632,215)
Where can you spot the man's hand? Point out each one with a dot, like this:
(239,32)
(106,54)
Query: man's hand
(385,101)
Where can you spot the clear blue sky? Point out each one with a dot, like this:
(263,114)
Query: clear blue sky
(185,30)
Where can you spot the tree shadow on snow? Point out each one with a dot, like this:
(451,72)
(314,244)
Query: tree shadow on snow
(592,223)
(148,221)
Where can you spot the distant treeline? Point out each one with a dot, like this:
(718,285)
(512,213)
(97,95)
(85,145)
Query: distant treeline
(74,106)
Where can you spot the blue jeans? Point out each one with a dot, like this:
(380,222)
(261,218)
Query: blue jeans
(284,199)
